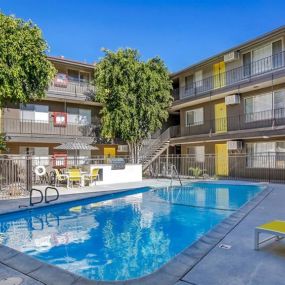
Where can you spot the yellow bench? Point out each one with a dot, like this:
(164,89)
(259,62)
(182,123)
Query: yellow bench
(275,228)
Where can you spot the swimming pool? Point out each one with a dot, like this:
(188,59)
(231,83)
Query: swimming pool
(122,236)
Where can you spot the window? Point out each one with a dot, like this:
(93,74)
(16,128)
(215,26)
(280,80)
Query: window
(199,78)
(41,154)
(280,155)
(266,154)
(261,107)
(194,80)
(78,156)
(198,152)
(262,59)
(267,57)
(38,151)
(123,148)
(78,116)
(246,58)
(279,99)
(73,75)
(277,54)
(32,112)
(84,116)
(258,107)
(78,76)
(84,77)
(189,80)
(195,117)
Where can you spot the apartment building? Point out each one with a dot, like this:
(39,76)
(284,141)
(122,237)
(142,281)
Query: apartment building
(68,112)
(234,103)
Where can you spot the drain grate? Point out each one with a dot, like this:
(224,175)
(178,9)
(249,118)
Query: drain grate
(225,246)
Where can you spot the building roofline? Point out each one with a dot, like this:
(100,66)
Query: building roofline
(70,61)
(243,45)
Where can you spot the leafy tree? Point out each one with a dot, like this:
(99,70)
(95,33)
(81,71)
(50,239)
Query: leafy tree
(136,96)
(25,71)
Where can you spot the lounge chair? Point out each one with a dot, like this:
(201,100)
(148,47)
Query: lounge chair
(59,178)
(92,176)
(75,175)
(275,228)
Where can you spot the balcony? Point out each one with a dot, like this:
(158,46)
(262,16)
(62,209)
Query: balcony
(242,74)
(272,119)
(175,94)
(71,89)
(44,129)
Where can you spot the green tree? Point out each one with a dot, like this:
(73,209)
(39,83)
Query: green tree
(135,94)
(25,71)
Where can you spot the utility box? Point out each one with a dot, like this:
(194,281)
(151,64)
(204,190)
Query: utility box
(234,145)
(232,99)
(231,56)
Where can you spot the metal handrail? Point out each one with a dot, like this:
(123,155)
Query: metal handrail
(31,196)
(154,144)
(269,118)
(173,170)
(54,199)
(18,126)
(43,196)
(233,76)
(75,87)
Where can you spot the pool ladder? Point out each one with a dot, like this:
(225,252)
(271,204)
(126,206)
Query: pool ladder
(174,174)
(44,197)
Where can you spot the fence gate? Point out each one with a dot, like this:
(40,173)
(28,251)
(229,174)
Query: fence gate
(15,176)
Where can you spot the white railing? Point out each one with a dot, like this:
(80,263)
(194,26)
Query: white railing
(72,87)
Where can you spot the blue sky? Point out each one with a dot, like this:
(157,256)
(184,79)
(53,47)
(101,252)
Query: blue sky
(180,32)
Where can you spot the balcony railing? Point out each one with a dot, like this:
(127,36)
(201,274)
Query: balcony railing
(73,88)
(233,76)
(175,94)
(257,120)
(31,127)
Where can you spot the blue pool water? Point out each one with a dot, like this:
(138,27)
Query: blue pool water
(122,236)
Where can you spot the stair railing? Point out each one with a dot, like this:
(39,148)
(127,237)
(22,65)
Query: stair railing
(153,144)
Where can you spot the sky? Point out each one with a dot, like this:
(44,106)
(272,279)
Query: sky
(180,32)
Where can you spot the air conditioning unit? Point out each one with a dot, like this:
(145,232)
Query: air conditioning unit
(231,56)
(234,145)
(123,148)
(232,99)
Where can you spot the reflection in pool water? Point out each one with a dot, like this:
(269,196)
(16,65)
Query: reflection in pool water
(125,237)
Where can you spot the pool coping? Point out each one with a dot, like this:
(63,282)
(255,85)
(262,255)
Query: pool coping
(170,273)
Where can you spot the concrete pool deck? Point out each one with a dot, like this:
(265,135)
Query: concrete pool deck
(202,263)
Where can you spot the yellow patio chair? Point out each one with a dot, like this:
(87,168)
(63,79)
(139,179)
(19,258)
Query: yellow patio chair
(59,177)
(275,228)
(75,175)
(92,176)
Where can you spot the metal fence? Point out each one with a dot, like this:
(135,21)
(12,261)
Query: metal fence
(18,174)
(269,167)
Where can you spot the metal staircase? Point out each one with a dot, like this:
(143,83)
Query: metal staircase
(153,147)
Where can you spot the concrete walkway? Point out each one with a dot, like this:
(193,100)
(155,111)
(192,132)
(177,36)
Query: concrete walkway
(239,265)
